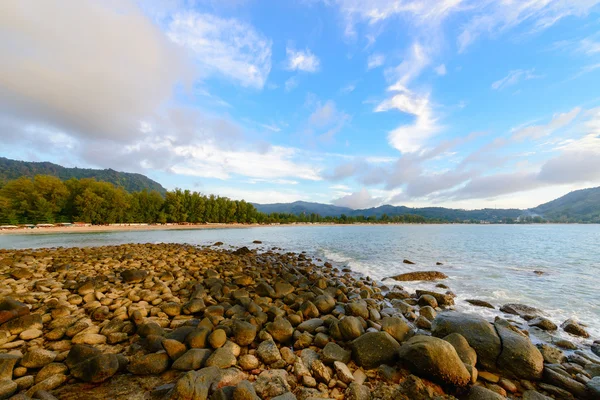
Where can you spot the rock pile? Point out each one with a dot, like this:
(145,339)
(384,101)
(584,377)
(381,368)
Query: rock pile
(181,322)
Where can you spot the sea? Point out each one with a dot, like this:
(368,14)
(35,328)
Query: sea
(495,263)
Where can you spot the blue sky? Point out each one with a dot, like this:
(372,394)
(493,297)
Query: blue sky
(459,103)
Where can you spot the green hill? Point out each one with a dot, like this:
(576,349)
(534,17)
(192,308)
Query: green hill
(13,169)
(577,206)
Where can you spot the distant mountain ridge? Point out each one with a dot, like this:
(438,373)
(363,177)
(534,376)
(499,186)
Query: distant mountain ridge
(578,206)
(14,169)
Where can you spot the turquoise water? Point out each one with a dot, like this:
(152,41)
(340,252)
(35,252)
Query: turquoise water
(488,262)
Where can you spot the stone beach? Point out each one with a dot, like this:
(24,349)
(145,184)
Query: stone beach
(172,321)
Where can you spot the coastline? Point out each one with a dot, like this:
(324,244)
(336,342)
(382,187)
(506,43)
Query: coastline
(295,310)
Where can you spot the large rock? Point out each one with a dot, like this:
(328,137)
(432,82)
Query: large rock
(435,358)
(333,352)
(374,348)
(7,388)
(350,328)
(396,327)
(133,275)
(244,332)
(195,385)
(466,353)
(594,387)
(272,383)
(149,364)
(37,358)
(480,334)
(24,323)
(419,276)
(192,359)
(519,356)
(281,330)
(521,310)
(574,328)
(96,369)
(11,308)
(442,299)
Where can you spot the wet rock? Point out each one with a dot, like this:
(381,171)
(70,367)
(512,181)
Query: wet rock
(593,386)
(521,310)
(198,338)
(481,393)
(574,328)
(405,261)
(565,382)
(480,303)
(374,348)
(543,323)
(442,299)
(419,276)
(350,328)
(427,300)
(519,356)
(480,334)
(435,358)
(333,352)
(551,354)
(192,359)
(149,364)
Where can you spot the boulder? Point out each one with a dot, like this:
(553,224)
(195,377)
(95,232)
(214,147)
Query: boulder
(333,352)
(521,310)
(480,334)
(244,332)
(96,369)
(574,328)
(593,386)
(350,328)
(435,358)
(221,358)
(397,327)
(442,299)
(192,359)
(280,329)
(543,323)
(272,383)
(149,364)
(37,358)
(519,356)
(195,384)
(24,323)
(479,303)
(374,348)
(133,275)
(7,364)
(419,276)
(466,353)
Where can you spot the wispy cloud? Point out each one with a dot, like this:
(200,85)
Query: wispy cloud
(291,84)
(358,200)
(514,77)
(539,131)
(226,47)
(375,60)
(301,60)
(440,70)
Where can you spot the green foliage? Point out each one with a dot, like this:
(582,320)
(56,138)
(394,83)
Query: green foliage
(578,206)
(13,169)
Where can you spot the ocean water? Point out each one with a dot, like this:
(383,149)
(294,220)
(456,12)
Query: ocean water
(495,263)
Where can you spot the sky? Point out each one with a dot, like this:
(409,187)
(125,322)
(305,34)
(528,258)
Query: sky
(357,103)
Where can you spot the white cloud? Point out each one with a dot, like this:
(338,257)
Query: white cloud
(348,88)
(358,200)
(375,60)
(261,196)
(441,70)
(414,63)
(538,131)
(514,77)
(493,17)
(227,47)
(291,84)
(271,127)
(94,85)
(301,60)
(328,121)
(411,137)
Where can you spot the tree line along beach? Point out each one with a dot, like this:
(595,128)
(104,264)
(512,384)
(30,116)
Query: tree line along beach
(174,321)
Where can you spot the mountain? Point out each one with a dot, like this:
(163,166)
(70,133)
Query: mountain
(13,169)
(303,207)
(577,206)
(327,210)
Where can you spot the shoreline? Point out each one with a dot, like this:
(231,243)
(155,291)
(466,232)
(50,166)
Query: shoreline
(169,227)
(308,328)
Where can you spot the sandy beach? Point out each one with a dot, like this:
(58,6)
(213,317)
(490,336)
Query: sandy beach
(117,228)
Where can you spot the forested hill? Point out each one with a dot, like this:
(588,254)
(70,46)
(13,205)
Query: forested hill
(13,169)
(578,206)
(438,213)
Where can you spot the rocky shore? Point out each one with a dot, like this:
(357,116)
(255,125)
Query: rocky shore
(183,322)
